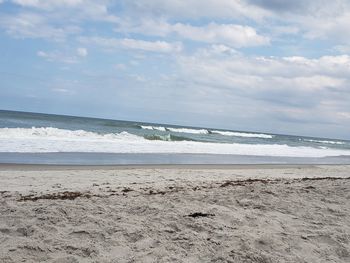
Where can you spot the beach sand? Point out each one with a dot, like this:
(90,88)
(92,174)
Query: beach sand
(258,213)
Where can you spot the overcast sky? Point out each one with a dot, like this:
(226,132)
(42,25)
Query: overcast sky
(259,65)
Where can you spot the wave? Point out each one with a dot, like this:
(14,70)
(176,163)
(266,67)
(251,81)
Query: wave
(61,134)
(244,134)
(187,130)
(178,130)
(167,137)
(159,128)
(61,140)
(323,141)
(205,131)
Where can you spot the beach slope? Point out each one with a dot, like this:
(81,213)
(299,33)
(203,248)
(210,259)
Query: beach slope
(175,214)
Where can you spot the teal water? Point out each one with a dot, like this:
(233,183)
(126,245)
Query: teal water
(24,132)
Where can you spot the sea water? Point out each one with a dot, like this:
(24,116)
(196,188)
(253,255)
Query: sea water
(44,138)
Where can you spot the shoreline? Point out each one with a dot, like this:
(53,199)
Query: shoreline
(140,159)
(50,167)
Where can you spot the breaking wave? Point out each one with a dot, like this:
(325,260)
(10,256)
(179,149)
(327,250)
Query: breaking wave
(205,131)
(62,140)
(153,128)
(187,130)
(324,141)
(167,137)
(178,130)
(244,134)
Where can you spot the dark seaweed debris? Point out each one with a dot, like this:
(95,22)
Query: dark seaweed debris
(323,178)
(127,189)
(246,182)
(200,214)
(56,196)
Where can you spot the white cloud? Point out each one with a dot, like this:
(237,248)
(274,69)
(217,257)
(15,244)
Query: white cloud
(334,27)
(30,25)
(317,19)
(285,30)
(71,9)
(55,19)
(82,52)
(227,34)
(48,3)
(232,35)
(121,66)
(312,19)
(57,56)
(275,83)
(128,43)
(222,49)
(195,9)
(60,90)
(342,48)
(157,46)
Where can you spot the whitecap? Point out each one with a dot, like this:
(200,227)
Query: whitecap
(187,130)
(244,134)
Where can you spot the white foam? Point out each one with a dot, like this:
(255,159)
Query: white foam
(60,140)
(159,128)
(186,130)
(322,141)
(244,134)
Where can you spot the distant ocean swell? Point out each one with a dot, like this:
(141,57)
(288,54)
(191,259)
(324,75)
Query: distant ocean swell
(49,139)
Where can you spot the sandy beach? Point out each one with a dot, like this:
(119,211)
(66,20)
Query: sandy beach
(260,213)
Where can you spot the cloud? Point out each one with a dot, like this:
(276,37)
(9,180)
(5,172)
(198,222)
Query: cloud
(318,19)
(44,4)
(60,90)
(228,34)
(57,56)
(332,28)
(297,87)
(232,35)
(194,9)
(82,52)
(30,25)
(72,9)
(156,46)
(128,43)
(55,19)
(281,5)
(342,48)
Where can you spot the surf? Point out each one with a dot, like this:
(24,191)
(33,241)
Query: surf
(50,139)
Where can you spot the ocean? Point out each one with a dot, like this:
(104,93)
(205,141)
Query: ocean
(55,139)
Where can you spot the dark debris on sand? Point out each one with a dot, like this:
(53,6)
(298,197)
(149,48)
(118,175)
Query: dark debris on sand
(56,196)
(200,214)
(72,195)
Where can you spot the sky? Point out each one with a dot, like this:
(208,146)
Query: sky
(253,65)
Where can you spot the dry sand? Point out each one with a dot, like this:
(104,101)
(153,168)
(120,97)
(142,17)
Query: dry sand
(175,214)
